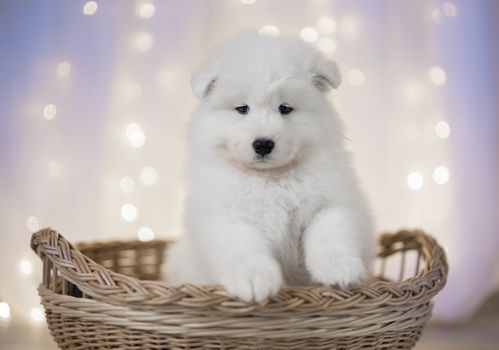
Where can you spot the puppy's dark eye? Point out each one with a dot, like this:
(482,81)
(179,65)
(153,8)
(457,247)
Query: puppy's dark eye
(285,109)
(244,109)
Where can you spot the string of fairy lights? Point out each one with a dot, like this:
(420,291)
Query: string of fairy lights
(322,33)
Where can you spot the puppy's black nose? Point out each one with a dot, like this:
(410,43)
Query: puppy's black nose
(263,146)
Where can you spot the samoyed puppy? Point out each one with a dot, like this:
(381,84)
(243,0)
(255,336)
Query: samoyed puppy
(272,197)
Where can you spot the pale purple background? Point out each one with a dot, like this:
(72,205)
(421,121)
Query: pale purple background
(396,44)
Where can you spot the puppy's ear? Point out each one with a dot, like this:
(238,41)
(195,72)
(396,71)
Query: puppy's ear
(326,74)
(203,82)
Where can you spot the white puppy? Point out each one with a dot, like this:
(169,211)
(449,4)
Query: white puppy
(272,198)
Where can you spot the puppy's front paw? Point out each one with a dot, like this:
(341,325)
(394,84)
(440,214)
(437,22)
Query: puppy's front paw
(253,278)
(337,269)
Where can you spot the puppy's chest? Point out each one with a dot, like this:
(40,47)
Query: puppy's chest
(279,208)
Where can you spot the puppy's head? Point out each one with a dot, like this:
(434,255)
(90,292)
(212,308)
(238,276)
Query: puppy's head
(263,103)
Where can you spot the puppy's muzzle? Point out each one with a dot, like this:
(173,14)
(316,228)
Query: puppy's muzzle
(263,146)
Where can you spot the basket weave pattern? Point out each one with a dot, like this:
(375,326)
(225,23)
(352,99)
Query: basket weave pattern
(108,296)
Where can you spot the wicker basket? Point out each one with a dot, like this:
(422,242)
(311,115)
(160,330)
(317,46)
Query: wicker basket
(107,296)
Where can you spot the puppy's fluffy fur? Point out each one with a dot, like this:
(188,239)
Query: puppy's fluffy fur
(293,217)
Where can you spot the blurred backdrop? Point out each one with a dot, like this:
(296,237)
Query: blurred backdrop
(94,96)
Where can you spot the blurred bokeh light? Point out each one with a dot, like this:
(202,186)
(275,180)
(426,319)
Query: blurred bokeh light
(95,95)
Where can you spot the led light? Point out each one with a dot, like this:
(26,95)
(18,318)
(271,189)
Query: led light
(146,11)
(63,69)
(138,139)
(326,25)
(349,27)
(436,16)
(437,76)
(269,30)
(54,169)
(37,314)
(442,129)
(129,212)
(135,135)
(145,234)
(142,41)
(49,112)
(4,310)
(415,92)
(148,176)
(248,2)
(415,181)
(441,175)
(355,77)
(26,267)
(449,9)
(132,128)
(127,185)
(90,8)
(327,45)
(309,34)
(32,224)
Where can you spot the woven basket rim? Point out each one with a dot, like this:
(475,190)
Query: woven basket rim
(108,286)
(199,323)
